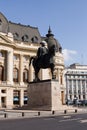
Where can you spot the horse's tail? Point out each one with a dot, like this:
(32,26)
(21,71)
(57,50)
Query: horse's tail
(31,58)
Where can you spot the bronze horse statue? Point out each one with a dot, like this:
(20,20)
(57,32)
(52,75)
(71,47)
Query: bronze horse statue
(45,61)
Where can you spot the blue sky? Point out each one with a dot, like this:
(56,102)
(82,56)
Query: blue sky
(67,18)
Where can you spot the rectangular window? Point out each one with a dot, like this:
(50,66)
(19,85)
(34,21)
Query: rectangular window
(3,91)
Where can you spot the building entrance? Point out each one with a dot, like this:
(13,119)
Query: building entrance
(62,97)
(3,101)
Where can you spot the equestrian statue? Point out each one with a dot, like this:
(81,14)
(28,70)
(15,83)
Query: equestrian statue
(44,59)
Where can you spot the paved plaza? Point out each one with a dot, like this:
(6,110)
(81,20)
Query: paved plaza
(14,114)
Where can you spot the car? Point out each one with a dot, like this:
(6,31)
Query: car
(77,102)
(84,102)
(69,102)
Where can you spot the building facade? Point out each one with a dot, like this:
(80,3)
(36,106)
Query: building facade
(17,44)
(76,82)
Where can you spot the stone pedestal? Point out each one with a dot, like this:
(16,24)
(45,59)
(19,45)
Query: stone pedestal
(44,95)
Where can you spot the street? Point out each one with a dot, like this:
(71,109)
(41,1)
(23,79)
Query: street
(63,122)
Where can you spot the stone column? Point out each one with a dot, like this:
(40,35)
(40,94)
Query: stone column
(31,73)
(10,67)
(67,88)
(85,90)
(81,90)
(76,88)
(9,98)
(21,70)
(59,76)
(21,98)
(72,91)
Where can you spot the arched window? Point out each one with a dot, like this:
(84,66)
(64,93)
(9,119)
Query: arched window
(0,25)
(1,73)
(35,39)
(25,38)
(16,36)
(15,75)
(25,75)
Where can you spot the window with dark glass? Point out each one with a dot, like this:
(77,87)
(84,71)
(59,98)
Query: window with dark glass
(25,97)
(3,91)
(16,97)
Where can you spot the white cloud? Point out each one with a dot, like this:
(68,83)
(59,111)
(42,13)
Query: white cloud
(68,54)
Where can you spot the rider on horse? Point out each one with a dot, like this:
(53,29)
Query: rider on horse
(43,60)
(42,50)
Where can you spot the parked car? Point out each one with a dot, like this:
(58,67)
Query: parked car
(84,102)
(77,102)
(69,102)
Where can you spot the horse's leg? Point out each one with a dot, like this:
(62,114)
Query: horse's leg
(52,72)
(36,74)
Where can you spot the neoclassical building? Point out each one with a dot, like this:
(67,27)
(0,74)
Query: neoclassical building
(76,82)
(17,44)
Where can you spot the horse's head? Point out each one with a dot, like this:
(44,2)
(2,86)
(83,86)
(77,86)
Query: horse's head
(52,50)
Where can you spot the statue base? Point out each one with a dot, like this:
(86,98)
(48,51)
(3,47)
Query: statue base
(44,95)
